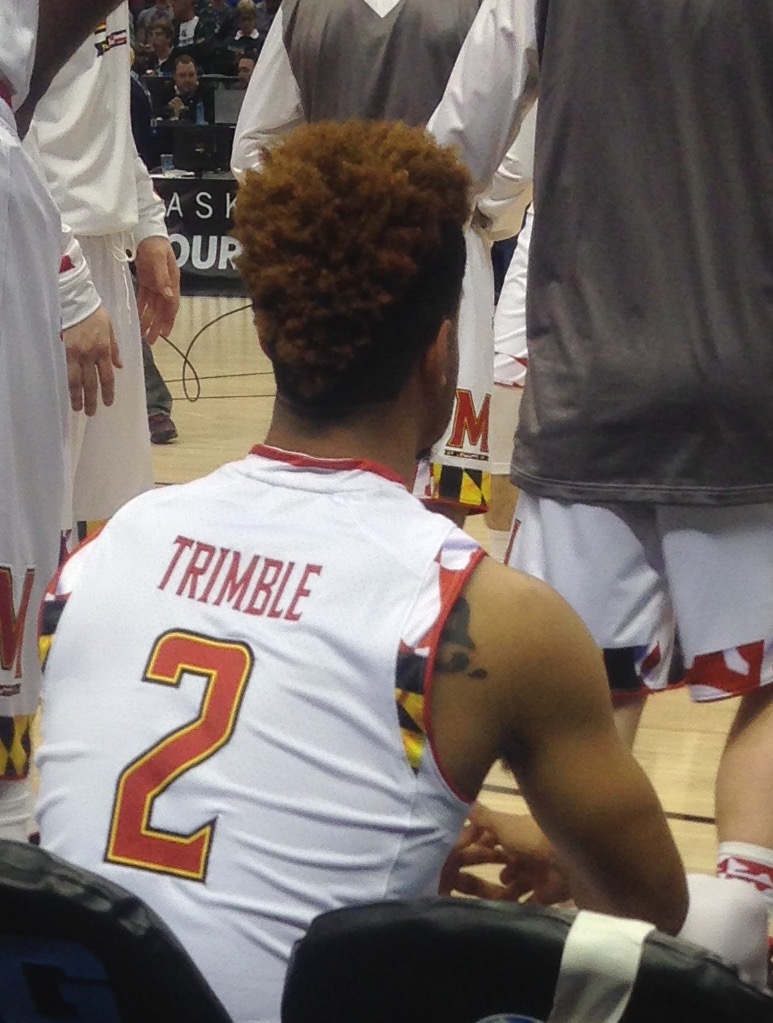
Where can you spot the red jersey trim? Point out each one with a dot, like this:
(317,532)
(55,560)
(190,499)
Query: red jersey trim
(5,92)
(301,461)
(53,586)
(429,672)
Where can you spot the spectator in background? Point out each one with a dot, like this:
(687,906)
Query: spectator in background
(136,7)
(161,44)
(245,40)
(193,37)
(178,101)
(221,23)
(244,68)
(160,11)
(246,36)
(265,11)
(141,106)
(221,17)
(158,398)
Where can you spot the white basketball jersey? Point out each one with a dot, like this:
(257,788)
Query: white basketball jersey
(234,706)
(18,36)
(83,131)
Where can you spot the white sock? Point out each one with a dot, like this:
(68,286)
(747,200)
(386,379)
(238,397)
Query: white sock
(752,864)
(498,540)
(729,918)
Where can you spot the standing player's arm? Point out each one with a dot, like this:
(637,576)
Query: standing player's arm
(62,26)
(91,349)
(158,276)
(542,703)
(491,88)
(272,104)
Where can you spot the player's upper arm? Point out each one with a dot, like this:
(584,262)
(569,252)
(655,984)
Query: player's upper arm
(491,88)
(272,105)
(557,733)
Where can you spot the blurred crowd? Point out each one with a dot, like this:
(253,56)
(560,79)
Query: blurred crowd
(216,34)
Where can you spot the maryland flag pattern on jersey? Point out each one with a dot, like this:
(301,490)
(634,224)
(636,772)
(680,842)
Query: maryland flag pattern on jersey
(60,587)
(409,694)
(420,644)
(50,613)
(468,488)
(15,746)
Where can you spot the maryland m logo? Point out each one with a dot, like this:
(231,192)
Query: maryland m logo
(12,622)
(469,424)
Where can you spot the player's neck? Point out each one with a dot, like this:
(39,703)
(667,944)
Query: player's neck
(384,435)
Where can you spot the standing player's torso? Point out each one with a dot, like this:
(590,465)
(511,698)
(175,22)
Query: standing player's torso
(83,132)
(381,59)
(650,308)
(228,733)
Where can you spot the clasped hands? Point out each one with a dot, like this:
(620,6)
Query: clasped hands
(530,868)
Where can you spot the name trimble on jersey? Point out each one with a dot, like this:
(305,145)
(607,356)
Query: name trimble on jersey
(214,575)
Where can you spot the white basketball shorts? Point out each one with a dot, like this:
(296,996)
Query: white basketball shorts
(648,578)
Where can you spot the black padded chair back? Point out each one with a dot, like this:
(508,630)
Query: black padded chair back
(76,948)
(453,961)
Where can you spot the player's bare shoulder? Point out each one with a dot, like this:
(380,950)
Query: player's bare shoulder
(515,614)
(496,658)
(532,646)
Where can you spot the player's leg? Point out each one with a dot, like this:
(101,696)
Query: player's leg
(505,404)
(510,361)
(719,563)
(158,400)
(114,462)
(605,561)
(33,393)
(744,785)
(457,482)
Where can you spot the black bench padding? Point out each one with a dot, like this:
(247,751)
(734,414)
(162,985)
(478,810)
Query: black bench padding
(151,976)
(454,961)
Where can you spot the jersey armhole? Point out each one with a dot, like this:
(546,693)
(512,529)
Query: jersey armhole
(450,599)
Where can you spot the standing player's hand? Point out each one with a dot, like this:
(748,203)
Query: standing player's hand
(92,353)
(158,291)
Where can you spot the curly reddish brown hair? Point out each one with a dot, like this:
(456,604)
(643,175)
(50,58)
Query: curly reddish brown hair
(353,255)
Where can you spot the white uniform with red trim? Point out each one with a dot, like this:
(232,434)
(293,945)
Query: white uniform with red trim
(258,685)
(18,35)
(509,205)
(511,353)
(32,415)
(82,130)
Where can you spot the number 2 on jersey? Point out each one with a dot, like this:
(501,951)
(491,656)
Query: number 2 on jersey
(133,842)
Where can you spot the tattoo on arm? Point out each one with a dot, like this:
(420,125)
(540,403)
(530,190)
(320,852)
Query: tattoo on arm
(456,651)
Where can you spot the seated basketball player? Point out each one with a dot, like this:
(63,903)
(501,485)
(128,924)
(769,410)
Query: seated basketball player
(278,689)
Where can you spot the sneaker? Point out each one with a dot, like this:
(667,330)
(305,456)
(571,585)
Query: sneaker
(162,429)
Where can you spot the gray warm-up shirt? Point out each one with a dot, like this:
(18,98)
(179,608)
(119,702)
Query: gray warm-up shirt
(396,60)
(651,279)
